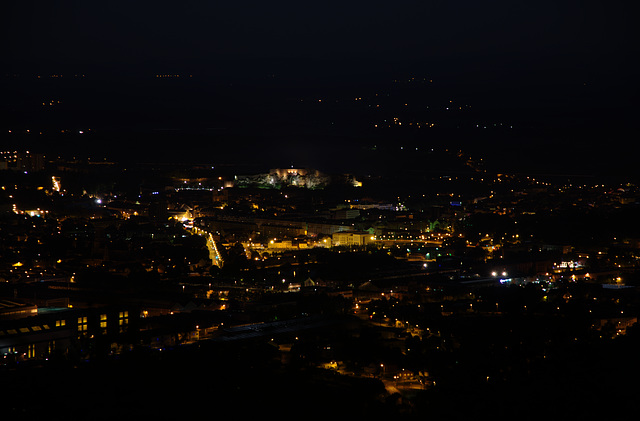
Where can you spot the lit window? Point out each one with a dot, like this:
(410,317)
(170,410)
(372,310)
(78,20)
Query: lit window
(123,320)
(82,325)
(103,323)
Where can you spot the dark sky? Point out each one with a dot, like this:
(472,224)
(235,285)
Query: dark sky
(135,32)
(576,58)
(251,27)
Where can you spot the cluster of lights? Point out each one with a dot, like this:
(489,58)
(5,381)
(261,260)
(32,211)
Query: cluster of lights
(9,154)
(56,183)
(396,122)
(55,76)
(169,76)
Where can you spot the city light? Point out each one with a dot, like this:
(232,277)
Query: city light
(349,239)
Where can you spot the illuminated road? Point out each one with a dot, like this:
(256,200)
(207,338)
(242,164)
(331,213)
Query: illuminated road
(214,253)
(388,242)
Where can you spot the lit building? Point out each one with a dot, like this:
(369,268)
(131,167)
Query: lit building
(29,334)
(352,238)
(22,161)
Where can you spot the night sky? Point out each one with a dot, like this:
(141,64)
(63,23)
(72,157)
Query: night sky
(563,73)
(132,33)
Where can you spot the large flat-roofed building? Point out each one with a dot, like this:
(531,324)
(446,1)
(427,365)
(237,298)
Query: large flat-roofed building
(351,238)
(62,330)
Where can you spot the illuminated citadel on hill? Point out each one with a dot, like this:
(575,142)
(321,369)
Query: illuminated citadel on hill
(284,177)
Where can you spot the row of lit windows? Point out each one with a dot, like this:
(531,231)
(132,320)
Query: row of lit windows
(82,325)
(123,322)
